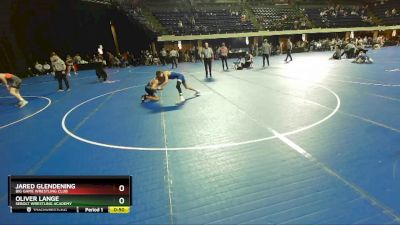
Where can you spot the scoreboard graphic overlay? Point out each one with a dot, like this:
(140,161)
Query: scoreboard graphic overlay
(69,194)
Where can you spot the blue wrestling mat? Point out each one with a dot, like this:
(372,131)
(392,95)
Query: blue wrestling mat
(314,141)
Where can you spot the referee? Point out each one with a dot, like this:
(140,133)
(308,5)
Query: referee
(173,54)
(207,54)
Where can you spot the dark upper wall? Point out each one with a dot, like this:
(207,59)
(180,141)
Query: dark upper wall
(10,56)
(69,27)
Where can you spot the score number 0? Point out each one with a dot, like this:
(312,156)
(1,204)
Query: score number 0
(121,200)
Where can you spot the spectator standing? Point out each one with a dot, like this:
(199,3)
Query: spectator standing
(199,51)
(193,54)
(266,51)
(223,53)
(70,65)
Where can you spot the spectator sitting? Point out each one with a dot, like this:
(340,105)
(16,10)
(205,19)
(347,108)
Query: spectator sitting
(77,59)
(318,45)
(148,59)
(30,73)
(46,67)
(337,54)
(248,60)
(110,60)
(376,46)
(38,69)
(332,44)
(123,59)
(180,24)
(303,24)
(278,49)
(156,60)
(192,21)
(186,56)
(117,62)
(243,18)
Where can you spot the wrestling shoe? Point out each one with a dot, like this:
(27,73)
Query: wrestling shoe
(23,103)
(143,98)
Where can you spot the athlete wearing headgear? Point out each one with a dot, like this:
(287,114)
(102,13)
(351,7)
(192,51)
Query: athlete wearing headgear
(151,89)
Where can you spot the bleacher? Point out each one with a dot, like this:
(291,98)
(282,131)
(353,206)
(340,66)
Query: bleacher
(137,15)
(205,21)
(380,9)
(314,15)
(347,21)
(225,18)
(279,18)
(335,21)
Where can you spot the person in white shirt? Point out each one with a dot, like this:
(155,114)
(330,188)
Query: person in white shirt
(173,54)
(207,55)
(46,67)
(39,68)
